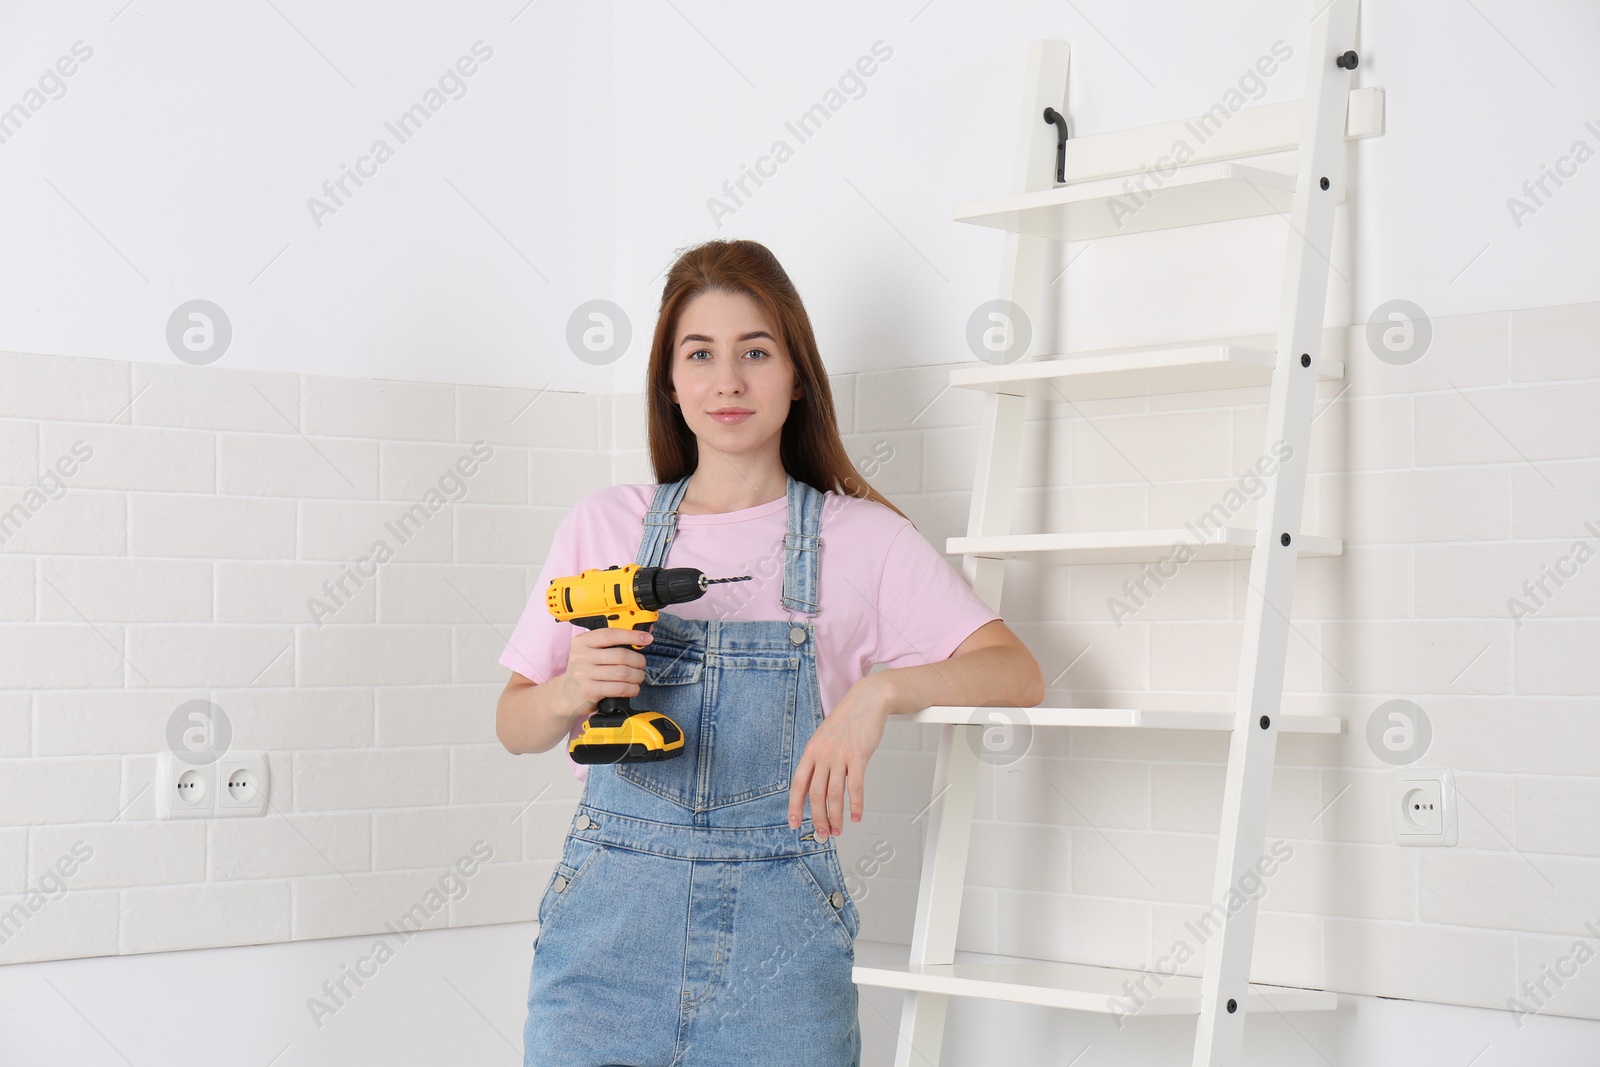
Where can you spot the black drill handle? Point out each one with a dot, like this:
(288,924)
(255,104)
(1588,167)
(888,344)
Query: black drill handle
(611,711)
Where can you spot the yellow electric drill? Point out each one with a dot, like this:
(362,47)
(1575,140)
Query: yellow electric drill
(626,598)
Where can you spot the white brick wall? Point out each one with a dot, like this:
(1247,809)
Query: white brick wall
(179,565)
(1451,481)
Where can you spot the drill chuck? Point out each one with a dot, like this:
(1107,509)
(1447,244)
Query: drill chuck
(656,587)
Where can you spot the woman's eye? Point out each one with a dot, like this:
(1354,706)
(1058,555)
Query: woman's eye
(704,352)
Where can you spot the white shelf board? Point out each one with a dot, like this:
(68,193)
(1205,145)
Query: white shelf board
(1132,372)
(1079,987)
(1132,718)
(1126,546)
(1205,192)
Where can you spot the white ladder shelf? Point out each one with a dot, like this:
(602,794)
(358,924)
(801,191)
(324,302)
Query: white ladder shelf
(1208,188)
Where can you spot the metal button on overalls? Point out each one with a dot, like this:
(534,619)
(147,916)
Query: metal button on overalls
(698,928)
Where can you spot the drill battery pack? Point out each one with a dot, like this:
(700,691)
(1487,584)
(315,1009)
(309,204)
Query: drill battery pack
(640,737)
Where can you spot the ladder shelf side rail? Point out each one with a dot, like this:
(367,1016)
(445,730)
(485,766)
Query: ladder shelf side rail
(1316,128)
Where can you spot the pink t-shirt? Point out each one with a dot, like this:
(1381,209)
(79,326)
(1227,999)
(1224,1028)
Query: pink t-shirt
(887,596)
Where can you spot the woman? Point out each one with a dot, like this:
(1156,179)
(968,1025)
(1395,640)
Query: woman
(698,915)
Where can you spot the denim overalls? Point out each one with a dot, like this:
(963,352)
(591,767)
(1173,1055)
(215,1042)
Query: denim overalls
(687,923)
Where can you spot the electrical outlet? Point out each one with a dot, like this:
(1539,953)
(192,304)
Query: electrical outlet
(234,786)
(184,790)
(1424,806)
(242,784)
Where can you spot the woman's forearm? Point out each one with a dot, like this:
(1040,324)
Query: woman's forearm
(535,718)
(996,676)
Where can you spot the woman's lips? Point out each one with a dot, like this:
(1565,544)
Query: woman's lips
(731,418)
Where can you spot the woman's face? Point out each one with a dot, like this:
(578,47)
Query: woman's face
(729,355)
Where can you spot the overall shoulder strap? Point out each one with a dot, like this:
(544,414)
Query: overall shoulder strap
(803,549)
(660,523)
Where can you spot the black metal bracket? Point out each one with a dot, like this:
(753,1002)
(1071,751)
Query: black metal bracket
(1051,115)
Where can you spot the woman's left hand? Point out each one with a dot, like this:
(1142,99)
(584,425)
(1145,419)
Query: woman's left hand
(836,757)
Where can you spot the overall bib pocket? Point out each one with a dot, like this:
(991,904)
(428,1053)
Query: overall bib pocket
(746,753)
(673,675)
(752,737)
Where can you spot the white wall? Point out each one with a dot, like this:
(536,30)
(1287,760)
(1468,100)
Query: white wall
(178,163)
(861,214)
(590,144)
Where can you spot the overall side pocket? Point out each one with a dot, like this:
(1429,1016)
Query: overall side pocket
(577,859)
(820,872)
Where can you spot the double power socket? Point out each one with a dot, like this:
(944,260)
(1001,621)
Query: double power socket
(235,785)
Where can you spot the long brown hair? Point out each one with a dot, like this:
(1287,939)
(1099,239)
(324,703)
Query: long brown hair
(810,447)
